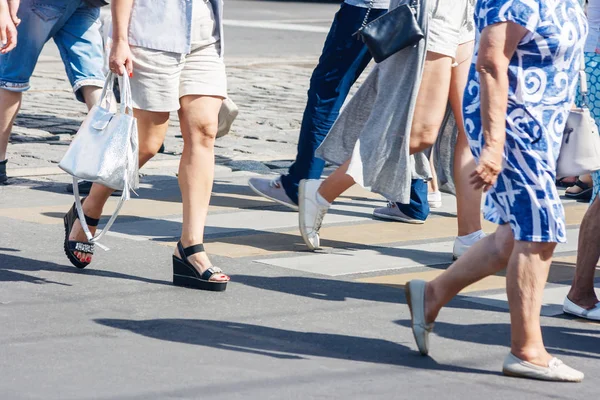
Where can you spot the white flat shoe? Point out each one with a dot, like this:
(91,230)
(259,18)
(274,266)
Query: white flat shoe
(571,308)
(311,212)
(556,370)
(415,297)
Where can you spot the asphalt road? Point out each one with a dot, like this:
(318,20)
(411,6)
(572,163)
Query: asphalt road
(264,30)
(276,29)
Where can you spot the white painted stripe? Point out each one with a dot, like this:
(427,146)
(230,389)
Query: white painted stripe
(275,26)
(551,304)
(360,261)
(346,262)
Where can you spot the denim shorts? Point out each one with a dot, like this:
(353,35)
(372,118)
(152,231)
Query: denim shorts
(75,28)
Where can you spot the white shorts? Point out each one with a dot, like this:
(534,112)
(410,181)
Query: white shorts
(451,24)
(161,78)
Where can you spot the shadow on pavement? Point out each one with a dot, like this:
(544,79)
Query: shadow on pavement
(559,340)
(280,343)
(14,269)
(339,290)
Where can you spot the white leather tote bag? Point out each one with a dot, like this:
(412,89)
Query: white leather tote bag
(580,149)
(105,150)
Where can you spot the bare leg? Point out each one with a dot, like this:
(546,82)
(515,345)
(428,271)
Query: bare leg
(433,183)
(525,281)
(582,289)
(428,116)
(528,265)
(487,257)
(91,95)
(199,118)
(431,102)
(152,128)
(468,199)
(336,183)
(10,102)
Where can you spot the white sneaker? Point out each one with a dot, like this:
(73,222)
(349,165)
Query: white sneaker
(571,308)
(463,243)
(272,189)
(434,199)
(391,212)
(556,370)
(312,209)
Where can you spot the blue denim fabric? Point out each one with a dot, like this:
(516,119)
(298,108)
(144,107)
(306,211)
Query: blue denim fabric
(342,61)
(75,28)
(418,208)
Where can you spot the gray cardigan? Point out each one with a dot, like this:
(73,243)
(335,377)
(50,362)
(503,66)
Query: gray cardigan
(373,130)
(167,24)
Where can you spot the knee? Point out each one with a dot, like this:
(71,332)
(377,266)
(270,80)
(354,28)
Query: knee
(504,242)
(544,251)
(423,136)
(203,133)
(148,149)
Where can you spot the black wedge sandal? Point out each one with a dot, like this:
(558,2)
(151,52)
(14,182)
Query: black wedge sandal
(184,273)
(71,246)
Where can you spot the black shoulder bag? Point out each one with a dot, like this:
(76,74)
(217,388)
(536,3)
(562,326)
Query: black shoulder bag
(392,32)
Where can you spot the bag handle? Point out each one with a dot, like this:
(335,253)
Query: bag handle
(413,3)
(583,84)
(91,238)
(126,106)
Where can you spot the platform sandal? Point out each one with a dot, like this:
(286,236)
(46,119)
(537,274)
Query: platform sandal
(72,246)
(186,275)
(585,194)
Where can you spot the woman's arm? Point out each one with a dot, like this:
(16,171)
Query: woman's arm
(496,48)
(8,31)
(120,55)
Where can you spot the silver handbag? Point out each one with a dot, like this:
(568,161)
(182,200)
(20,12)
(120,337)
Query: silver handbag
(105,150)
(580,149)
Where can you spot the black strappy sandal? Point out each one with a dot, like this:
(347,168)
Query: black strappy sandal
(584,195)
(71,246)
(184,273)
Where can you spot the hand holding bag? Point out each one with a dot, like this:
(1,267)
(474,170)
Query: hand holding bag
(392,32)
(580,149)
(105,150)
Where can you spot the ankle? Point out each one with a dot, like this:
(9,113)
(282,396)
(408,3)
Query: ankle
(91,208)
(535,354)
(583,298)
(431,308)
(187,241)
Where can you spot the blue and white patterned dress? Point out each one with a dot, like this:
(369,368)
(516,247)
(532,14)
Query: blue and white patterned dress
(542,81)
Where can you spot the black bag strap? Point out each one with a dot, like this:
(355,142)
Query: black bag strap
(413,4)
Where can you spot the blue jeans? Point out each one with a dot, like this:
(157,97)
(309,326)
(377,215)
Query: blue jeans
(75,28)
(343,59)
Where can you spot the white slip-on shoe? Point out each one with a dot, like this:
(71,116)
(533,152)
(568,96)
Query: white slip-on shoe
(434,199)
(571,308)
(391,212)
(272,189)
(227,114)
(461,246)
(312,210)
(415,297)
(555,371)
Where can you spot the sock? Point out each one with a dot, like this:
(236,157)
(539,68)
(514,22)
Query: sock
(322,202)
(471,238)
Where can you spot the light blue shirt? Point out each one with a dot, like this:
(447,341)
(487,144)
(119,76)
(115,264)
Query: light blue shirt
(166,25)
(379,4)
